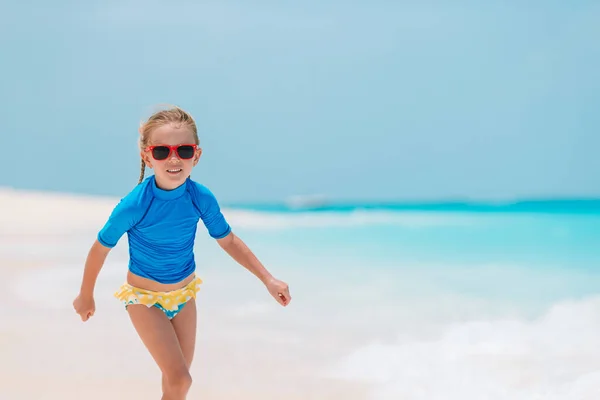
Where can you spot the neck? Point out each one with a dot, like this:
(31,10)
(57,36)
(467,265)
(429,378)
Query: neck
(168,185)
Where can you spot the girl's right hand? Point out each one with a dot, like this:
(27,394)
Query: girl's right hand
(84,306)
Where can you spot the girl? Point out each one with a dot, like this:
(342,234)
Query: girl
(160,217)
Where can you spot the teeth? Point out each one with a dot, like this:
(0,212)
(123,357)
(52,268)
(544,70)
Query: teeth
(174,170)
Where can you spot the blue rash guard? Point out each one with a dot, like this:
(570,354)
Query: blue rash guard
(161,228)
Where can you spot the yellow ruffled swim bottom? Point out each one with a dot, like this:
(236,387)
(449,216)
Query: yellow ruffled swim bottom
(171,303)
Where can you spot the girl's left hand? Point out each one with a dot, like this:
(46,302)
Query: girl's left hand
(280,291)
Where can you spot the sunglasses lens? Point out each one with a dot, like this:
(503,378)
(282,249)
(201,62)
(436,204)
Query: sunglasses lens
(160,152)
(185,152)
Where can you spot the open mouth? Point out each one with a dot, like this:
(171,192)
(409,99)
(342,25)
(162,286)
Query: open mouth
(174,171)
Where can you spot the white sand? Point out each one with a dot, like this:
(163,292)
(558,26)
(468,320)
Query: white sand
(248,346)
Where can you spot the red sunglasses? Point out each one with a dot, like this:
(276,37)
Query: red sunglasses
(163,151)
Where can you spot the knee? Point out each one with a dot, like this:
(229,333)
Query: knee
(179,383)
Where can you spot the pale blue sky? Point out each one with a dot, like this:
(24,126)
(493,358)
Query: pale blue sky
(353,100)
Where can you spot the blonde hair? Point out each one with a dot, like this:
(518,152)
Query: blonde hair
(171,115)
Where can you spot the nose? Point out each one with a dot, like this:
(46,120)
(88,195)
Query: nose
(174,156)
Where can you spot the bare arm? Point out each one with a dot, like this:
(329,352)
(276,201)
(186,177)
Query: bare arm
(93,265)
(84,304)
(237,249)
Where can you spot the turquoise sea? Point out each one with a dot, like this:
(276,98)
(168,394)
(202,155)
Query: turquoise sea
(450,300)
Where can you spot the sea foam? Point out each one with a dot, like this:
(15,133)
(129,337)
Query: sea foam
(280,220)
(554,357)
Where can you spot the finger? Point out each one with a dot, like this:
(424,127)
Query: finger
(285,300)
(281,299)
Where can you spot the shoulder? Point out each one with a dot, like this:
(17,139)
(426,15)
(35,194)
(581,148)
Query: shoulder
(138,198)
(128,212)
(200,191)
(203,197)
(210,212)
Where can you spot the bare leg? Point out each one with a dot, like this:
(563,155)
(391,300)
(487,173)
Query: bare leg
(159,337)
(184,325)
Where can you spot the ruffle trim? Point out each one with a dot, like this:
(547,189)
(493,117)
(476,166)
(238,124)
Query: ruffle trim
(168,300)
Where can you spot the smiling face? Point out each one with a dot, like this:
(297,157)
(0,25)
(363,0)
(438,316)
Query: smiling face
(172,171)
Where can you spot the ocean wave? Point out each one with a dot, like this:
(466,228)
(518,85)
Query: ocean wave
(48,213)
(55,213)
(555,357)
(275,220)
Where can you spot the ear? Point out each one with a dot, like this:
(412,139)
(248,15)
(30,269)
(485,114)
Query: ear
(197,155)
(146,159)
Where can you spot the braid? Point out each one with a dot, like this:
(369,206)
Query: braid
(142,171)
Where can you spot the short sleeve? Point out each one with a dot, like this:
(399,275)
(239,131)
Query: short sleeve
(210,213)
(123,217)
